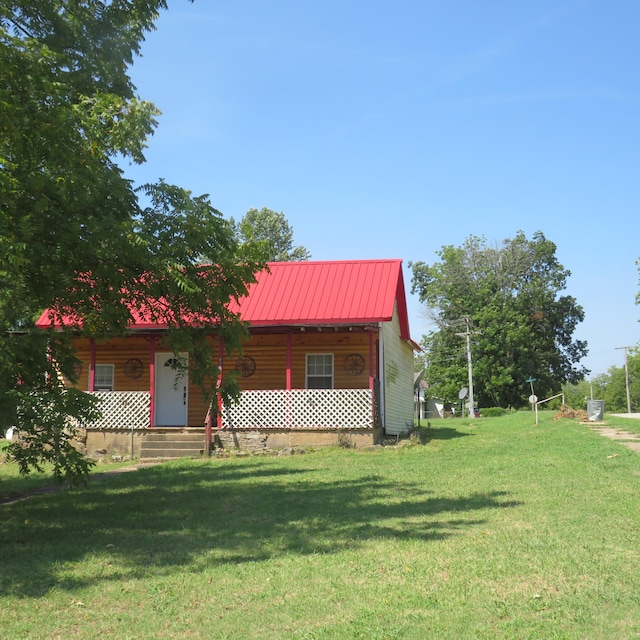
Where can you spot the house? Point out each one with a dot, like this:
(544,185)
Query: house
(426,405)
(329,357)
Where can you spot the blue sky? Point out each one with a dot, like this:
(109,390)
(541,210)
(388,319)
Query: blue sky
(387,130)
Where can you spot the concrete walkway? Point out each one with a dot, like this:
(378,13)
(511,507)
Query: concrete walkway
(625,438)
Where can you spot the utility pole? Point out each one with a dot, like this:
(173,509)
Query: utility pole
(626,376)
(467,335)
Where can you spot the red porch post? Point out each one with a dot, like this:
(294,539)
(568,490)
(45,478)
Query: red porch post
(208,423)
(92,364)
(220,367)
(152,381)
(287,406)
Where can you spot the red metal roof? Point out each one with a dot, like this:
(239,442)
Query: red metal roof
(337,292)
(333,292)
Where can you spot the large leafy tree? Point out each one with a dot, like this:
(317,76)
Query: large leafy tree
(273,232)
(74,236)
(506,297)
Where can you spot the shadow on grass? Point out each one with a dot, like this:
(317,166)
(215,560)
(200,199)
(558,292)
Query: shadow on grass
(218,512)
(445,433)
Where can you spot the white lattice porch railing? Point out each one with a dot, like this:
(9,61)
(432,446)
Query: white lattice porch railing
(301,409)
(122,410)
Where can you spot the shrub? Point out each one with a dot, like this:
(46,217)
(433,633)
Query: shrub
(492,412)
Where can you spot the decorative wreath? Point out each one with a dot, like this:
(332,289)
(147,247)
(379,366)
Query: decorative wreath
(133,368)
(246,365)
(354,364)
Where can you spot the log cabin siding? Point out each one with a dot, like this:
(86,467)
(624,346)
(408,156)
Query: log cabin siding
(270,355)
(338,344)
(268,351)
(115,352)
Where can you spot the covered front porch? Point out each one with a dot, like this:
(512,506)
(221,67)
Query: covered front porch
(260,419)
(283,402)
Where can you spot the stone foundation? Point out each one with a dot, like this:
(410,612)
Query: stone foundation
(259,440)
(121,442)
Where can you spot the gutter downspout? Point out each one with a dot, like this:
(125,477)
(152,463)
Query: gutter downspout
(287,408)
(382,377)
(220,365)
(371,380)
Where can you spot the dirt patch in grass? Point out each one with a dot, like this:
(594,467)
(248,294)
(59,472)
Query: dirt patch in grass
(51,488)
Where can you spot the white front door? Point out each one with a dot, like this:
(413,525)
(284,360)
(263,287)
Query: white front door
(171,391)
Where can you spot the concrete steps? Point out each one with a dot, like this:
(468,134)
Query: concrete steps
(172,443)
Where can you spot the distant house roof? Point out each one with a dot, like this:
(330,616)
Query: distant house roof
(339,292)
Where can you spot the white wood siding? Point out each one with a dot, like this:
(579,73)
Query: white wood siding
(398,379)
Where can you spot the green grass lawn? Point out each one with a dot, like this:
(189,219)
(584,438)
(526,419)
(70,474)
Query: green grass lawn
(13,485)
(495,528)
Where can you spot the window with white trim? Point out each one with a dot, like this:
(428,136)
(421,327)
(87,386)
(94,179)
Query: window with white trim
(104,377)
(319,373)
